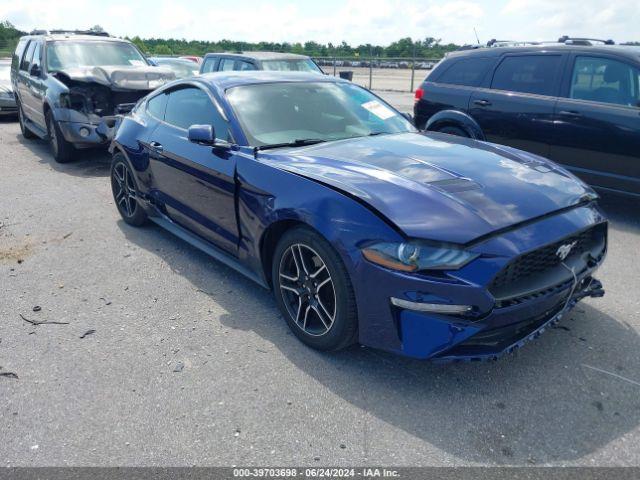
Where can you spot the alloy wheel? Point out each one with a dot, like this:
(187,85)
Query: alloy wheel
(124,190)
(307,289)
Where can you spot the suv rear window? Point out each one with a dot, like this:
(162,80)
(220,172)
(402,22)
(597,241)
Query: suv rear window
(468,72)
(527,74)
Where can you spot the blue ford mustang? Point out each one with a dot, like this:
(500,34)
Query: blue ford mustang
(427,245)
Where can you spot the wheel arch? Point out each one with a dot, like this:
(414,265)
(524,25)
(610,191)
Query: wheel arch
(455,118)
(270,238)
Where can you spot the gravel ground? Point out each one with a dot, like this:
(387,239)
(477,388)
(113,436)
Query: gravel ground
(170,358)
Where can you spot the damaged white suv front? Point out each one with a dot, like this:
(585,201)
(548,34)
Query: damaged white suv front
(70,86)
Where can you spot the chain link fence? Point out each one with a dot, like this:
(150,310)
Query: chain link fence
(387,74)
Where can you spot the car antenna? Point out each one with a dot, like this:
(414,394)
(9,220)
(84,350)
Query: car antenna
(476,34)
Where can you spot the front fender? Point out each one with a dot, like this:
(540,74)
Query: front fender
(455,118)
(268,195)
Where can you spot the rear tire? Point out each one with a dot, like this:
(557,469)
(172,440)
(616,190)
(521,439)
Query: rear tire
(26,133)
(450,130)
(62,150)
(125,192)
(313,291)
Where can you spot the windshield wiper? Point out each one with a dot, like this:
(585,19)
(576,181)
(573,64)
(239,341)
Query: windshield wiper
(296,143)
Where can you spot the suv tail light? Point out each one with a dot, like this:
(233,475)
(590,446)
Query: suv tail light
(419,94)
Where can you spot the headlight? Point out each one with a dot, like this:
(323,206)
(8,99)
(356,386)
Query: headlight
(418,255)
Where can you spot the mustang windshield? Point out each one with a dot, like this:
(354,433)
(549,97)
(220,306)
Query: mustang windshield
(91,53)
(295,112)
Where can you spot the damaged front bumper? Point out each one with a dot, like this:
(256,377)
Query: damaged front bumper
(89,134)
(498,334)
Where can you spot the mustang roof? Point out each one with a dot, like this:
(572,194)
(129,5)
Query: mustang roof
(237,78)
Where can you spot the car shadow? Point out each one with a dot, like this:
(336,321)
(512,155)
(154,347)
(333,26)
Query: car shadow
(87,163)
(560,398)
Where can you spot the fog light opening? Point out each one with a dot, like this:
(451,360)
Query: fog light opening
(84,132)
(431,307)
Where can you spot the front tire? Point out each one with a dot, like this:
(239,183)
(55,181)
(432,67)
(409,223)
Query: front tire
(125,192)
(63,151)
(313,291)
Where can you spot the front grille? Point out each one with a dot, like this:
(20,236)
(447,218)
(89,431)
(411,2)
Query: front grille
(540,262)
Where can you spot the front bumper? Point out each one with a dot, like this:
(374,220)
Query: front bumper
(502,332)
(82,134)
(495,325)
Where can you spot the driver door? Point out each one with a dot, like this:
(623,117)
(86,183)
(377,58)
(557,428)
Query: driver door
(597,122)
(195,183)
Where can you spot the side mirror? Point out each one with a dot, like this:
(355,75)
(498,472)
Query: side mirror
(206,135)
(202,134)
(35,71)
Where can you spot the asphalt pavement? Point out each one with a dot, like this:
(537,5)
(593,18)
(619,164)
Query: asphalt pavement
(165,357)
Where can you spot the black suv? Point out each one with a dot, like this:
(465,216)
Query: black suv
(576,101)
(69,84)
(289,62)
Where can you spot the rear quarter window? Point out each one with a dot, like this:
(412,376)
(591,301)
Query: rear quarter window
(209,64)
(157,105)
(466,71)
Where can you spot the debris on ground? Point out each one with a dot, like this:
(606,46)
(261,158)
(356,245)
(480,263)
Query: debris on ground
(37,308)
(41,322)
(67,235)
(87,333)
(8,374)
(179,367)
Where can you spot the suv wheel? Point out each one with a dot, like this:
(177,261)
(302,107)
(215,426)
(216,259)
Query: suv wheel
(313,290)
(26,133)
(63,151)
(453,131)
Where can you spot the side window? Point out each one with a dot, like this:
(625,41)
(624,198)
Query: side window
(157,105)
(15,60)
(209,64)
(468,72)
(605,80)
(28,55)
(242,65)
(226,64)
(527,74)
(37,54)
(192,106)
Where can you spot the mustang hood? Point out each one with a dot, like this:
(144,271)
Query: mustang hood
(437,186)
(122,77)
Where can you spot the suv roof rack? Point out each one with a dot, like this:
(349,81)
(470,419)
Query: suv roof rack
(74,32)
(511,43)
(567,40)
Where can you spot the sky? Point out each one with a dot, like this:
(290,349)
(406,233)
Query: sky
(354,21)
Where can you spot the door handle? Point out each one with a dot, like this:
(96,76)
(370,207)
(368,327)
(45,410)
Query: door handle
(569,113)
(482,103)
(156,147)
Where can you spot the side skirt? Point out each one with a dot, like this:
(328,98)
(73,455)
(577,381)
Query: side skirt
(36,129)
(208,248)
